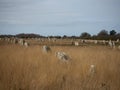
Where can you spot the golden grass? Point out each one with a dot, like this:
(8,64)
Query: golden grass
(29,68)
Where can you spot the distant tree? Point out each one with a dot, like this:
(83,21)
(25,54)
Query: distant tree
(3,36)
(58,37)
(103,33)
(112,32)
(94,37)
(51,36)
(65,36)
(73,37)
(22,35)
(118,36)
(85,35)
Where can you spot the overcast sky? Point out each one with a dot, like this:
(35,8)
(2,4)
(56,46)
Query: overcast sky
(59,17)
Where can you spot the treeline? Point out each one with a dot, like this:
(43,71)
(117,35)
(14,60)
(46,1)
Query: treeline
(23,35)
(102,35)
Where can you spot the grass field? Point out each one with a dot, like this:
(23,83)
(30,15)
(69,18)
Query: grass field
(29,68)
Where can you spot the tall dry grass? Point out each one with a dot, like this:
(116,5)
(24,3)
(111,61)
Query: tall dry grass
(29,68)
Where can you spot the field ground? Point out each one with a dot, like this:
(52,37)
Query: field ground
(29,68)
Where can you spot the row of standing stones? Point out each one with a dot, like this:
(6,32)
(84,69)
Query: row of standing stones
(110,43)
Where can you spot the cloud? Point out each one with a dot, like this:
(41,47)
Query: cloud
(59,13)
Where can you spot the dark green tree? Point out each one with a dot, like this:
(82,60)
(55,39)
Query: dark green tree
(112,32)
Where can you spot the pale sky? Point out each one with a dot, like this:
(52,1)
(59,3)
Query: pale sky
(59,17)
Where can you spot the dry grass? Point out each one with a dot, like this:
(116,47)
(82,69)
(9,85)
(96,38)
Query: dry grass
(30,69)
